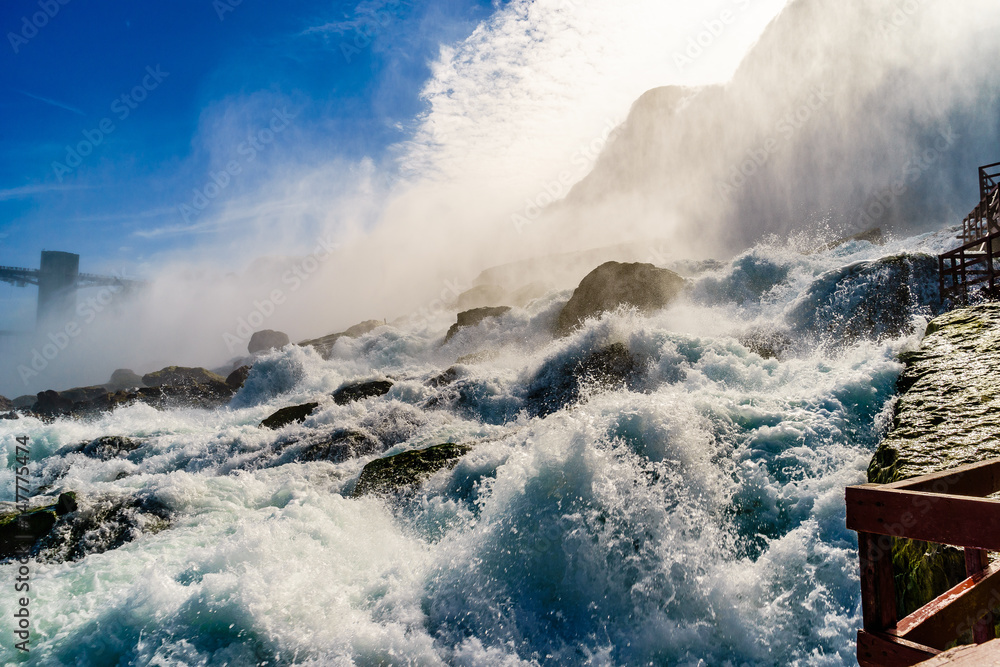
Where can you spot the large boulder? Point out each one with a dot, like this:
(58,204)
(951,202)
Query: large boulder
(561,381)
(104,448)
(407,469)
(123,378)
(471,318)
(51,404)
(285,416)
(6,405)
(614,284)
(358,391)
(341,446)
(268,339)
(324,345)
(24,401)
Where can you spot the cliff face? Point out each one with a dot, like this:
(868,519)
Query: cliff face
(948,415)
(850,109)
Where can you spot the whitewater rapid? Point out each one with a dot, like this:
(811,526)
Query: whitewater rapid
(694,519)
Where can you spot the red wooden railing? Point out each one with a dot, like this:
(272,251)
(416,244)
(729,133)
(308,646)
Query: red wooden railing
(945,508)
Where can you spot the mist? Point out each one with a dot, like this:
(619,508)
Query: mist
(839,117)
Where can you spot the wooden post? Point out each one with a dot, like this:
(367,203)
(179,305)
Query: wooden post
(878,592)
(977,560)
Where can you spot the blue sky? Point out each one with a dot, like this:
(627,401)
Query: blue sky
(137,84)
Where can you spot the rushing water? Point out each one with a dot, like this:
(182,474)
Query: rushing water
(695,518)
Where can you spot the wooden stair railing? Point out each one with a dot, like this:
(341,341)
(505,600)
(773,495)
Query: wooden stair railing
(945,508)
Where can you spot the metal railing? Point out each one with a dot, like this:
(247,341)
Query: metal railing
(944,508)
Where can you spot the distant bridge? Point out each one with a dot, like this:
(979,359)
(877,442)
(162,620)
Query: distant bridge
(58,279)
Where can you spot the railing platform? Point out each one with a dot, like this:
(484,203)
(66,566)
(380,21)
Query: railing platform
(945,508)
(972,267)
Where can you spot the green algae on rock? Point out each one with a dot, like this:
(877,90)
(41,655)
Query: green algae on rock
(407,468)
(947,415)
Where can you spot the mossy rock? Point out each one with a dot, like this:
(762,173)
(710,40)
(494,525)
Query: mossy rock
(407,469)
(19,533)
(285,416)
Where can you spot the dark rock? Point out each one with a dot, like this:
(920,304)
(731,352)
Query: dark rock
(285,416)
(769,344)
(871,300)
(325,344)
(51,404)
(361,390)
(123,378)
(613,284)
(471,318)
(180,376)
(20,532)
(444,379)
(407,469)
(110,446)
(5,404)
(480,297)
(263,341)
(9,415)
(83,394)
(100,525)
(66,503)
(237,378)
(560,382)
(341,446)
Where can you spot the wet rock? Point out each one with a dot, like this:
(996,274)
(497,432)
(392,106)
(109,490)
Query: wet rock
(25,401)
(285,416)
(341,446)
(477,357)
(123,378)
(361,390)
(613,284)
(768,343)
(105,448)
(407,469)
(100,525)
(50,404)
(444,379)
(481,296)
(266,340)
(6,404)
(948,414)
(561,382)
(325,344)
(471,318)
(83,394)
(236,379)
(20,532)
(180,376)
(871,300)
(873,236)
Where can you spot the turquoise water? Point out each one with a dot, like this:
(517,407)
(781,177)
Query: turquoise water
(695,518)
